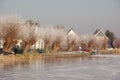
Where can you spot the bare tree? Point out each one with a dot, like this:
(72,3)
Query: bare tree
(105,43)
(58,37)
(73,41)
(117,43)
(54,37)
(9,26)
(87,41)
(28,35)
(91,44)
(45,34)
(102,43)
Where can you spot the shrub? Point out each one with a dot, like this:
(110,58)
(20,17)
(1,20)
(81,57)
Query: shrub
(40,50)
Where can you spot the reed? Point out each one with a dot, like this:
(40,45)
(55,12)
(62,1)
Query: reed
(20,57)
(28,58)
(115,51)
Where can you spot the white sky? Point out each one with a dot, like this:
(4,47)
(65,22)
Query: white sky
(85,16)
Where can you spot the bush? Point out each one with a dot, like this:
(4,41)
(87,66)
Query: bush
(40,50)
(18,50)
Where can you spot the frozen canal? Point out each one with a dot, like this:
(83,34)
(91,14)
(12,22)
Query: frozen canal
(93,68)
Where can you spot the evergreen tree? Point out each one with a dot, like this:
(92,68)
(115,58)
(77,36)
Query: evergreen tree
(111,37)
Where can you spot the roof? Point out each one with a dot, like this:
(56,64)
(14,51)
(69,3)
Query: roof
(100,33)
(72,33)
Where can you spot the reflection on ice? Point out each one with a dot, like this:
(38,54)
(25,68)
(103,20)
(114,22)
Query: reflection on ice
(97,67)
(112,56)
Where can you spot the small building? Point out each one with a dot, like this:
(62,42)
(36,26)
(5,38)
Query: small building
(101,39)
(72,33)
(1,43)
(39,44)
(99,34)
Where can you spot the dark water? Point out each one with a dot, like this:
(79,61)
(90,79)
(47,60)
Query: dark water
(93,68)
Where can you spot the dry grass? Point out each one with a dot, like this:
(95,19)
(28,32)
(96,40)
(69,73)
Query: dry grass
(54,55)
(115,51)
(21,59)
(22,56)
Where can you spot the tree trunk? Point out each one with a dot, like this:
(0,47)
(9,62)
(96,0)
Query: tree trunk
(56,46)
(5,47)
(46,48)
(71,46)
(25,49)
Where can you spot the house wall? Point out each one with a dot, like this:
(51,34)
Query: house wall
(19,43)
(40,44)
(1,43)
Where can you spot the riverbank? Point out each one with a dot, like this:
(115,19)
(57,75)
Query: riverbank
(92,68)
(66,54)
(37,56)
(112,52)
(30,57)
(19,59)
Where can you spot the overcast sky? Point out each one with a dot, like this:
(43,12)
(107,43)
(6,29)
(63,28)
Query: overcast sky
(84,16)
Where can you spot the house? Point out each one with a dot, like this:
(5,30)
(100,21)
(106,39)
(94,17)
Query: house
(1,43)
(39,44)
(101,39)
(99,34)
(19,43)
(72,33)
(32,23)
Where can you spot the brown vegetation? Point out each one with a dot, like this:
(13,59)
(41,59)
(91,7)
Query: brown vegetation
(115,51)
(91,44)
(9,27)
(29,40)
(73,42)
(12,29)
(55,37)
(117,43)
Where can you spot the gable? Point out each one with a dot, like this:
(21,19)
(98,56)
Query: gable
(72,33)
(100,34)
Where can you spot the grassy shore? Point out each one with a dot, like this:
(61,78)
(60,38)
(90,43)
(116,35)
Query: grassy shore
(20,57)
(115,51)
(36,56)
(28,58)
(57,55)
